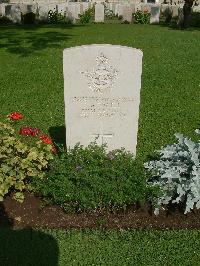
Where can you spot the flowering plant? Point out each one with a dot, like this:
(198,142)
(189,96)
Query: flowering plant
(142,17)
(15,116)
(24,153)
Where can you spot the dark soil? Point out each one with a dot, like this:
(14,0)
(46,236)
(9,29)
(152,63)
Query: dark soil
(30,214)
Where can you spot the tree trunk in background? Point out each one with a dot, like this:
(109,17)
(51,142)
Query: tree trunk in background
(187,11)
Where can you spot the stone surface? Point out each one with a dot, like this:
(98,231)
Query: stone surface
(74,9)
(85,6)
(127,13)
(102,95)
(138,7)
(120,10)
(99,13)
(13,12)
(78,10)
(174,11)
(62,8)
(71,11)
(2,9)
(43,12)
(155,15)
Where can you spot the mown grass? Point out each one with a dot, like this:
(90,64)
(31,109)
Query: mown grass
(31,78)
(31,247)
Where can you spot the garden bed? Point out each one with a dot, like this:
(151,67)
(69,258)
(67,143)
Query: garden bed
(30,213)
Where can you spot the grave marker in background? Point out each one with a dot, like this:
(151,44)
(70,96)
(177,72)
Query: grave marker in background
(99,13)
(127,14)
(155,15)
(102,95)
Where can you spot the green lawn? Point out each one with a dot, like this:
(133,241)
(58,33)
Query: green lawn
(31,78)
(67,248)
(31,81)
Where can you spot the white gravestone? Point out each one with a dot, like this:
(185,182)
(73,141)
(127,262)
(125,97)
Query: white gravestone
(85,6)
(43,11)
(99,13)
(155,15)
(174,11)
(13,12)
(62,8)
(74,10)
(120,10)
(102,95)
(127,14)
(2,9)
(116,9)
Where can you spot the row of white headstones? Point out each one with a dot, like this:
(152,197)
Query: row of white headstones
(72,10)
(102,95)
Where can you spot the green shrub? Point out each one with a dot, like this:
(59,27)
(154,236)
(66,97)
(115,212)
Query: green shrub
(195,19)
(55,17)
(89,178)
(5,20)
(86,16)
(29,18)
(109,13)
(20,158)
(141,17)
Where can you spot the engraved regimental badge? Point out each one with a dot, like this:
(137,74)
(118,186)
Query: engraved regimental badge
(103,75)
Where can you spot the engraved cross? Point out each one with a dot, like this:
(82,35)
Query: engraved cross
(102,137)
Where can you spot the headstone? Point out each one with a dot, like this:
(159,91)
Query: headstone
(116,9)
(78,10)
(2,9)
(120,10)
(74,9)
(43,12)
(155,15)
(132,7)
(71,11)
(174,11)
(102,95)
(127,14)
(99,13)
(85,6)
(13,13)
(138,7)
(62,8)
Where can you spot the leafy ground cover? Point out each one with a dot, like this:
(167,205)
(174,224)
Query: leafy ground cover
(90,178)
(99,247)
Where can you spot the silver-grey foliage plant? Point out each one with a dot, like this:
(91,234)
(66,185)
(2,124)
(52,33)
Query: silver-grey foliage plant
(177,173)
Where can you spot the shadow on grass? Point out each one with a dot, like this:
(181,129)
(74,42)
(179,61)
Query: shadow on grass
(173,26)
(58,134)
(25,40)
(25,247)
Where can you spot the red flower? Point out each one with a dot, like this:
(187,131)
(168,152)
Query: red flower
(34,132)
(25,131)
(15,116)
(46,139)
(29,131)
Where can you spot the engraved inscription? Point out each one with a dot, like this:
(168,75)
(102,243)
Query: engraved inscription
(102,77)
(101,107)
